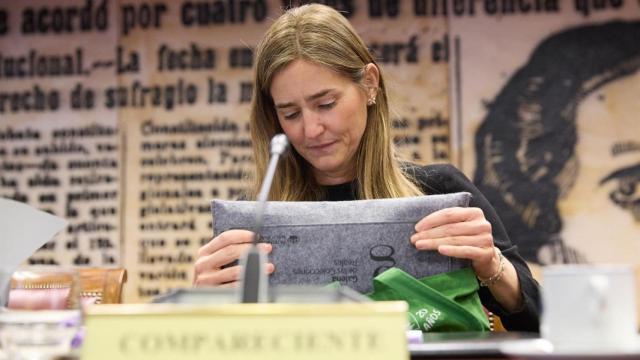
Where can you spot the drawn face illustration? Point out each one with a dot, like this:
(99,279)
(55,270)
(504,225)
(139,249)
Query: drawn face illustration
(601,211)
(324,116)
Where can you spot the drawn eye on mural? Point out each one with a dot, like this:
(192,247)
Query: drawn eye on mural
(626,194)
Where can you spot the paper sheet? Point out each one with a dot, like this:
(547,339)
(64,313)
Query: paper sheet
(23,230)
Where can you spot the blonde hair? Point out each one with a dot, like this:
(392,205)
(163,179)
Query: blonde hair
(319,34)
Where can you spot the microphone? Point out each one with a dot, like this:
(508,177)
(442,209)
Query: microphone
(254,279)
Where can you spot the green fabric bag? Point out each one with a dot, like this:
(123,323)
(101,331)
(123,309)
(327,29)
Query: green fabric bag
(438,303)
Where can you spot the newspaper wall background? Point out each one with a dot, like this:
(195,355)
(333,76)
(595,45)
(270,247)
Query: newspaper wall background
(126,118)
(59,148)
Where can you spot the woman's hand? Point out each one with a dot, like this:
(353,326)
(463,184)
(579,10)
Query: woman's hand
(220,251)
(460,233)
(465,233)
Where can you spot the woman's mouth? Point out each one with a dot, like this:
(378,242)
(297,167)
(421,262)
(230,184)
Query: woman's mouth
(322,147)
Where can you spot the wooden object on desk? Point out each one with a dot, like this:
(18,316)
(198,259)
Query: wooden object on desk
(105,285)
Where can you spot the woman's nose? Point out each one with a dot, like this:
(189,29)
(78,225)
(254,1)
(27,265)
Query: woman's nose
(313,125)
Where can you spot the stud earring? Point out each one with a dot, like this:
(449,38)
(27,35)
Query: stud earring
(371,101)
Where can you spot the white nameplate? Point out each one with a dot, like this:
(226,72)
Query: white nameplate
(247,331)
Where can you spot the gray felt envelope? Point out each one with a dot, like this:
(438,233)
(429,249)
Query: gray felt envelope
(346,241)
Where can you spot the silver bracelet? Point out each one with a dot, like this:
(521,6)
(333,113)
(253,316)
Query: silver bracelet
(498,275)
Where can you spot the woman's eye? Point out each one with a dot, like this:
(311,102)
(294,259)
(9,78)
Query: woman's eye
(327,105)
(291,115)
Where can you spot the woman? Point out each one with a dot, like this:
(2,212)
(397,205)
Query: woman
(316,82)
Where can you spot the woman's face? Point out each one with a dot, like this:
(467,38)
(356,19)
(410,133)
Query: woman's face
(601,213)
(324,115)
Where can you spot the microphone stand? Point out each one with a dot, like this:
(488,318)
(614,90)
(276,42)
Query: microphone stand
(254,279)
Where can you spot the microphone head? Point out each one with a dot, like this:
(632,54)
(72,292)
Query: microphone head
(279,144)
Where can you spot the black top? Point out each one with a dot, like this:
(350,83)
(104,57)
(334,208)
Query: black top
(444,179)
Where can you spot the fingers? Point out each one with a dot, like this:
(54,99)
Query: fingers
(225,256)
(227,238)
(218,277)
(473,253)
(227,277)
(222,250)
(457,232)
(454,230)
(483,240)
(452,224)
(448,216)
(462,233)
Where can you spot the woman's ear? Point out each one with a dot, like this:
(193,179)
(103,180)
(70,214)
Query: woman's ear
(371,80)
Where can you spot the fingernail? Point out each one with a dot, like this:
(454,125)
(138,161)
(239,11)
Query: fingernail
(270,268)
(424,245)
(266,247)
(443,249)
